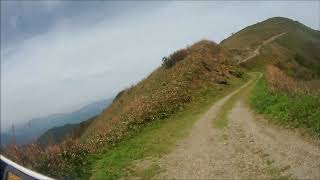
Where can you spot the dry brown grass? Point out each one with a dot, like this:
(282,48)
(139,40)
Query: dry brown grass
(279,81)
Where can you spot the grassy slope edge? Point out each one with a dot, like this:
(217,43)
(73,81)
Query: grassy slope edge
(289,111)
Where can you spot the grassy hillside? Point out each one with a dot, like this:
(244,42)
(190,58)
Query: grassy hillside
(184,75)
(153,141)
(148,118)
(296,52)
(193,75)
(287,102)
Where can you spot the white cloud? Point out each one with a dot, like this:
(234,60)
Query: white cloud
(50,5)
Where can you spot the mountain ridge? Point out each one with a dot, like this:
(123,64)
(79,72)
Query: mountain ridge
(34,128)
(296,52)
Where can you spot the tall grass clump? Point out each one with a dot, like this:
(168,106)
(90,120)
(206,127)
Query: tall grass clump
(278,81)
(286,101)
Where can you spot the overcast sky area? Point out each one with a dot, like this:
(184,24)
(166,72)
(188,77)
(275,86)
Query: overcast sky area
(58,56)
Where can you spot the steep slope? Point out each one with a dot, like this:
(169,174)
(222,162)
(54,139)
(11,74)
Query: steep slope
(296,52)
(183,75)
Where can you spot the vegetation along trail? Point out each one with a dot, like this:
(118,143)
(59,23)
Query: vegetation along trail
(229,142)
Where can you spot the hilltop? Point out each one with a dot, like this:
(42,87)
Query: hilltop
(296,52)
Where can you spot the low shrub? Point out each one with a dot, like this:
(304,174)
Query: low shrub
(175,57)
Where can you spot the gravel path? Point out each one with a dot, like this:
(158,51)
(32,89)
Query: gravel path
(247,149)
(287,151)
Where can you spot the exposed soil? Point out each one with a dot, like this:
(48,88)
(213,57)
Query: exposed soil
(249,148)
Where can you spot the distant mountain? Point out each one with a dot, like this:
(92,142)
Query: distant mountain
(296,52)
(58,134)
(34,128)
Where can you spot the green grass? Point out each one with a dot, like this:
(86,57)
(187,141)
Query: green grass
(154,140)
(290,111)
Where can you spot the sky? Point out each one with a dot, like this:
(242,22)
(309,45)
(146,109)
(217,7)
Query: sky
(57,56)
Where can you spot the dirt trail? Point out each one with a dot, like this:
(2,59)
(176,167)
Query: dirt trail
(286,151)
(246,149)
(256,52)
